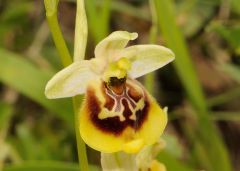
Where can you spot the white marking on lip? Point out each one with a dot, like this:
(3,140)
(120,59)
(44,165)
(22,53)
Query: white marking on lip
(118,107)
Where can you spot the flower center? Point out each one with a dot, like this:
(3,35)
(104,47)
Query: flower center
(117,85)
(114,78)
(121,95)
(116,72)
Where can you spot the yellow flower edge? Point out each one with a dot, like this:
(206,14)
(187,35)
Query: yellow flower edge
(130,140)
(157,166)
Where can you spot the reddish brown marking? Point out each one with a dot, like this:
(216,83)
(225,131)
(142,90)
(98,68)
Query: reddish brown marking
(136,96)
(117,85)
(93,105)
(118,89)
(142,115)
(109,102)
(114,125)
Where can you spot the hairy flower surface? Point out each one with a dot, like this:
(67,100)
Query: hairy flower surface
(118,114)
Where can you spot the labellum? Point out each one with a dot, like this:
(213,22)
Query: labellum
(118,114)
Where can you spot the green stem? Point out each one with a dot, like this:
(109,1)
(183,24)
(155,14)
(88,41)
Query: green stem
(98,18)
(150,78)
(82,153)
(58,37)
(154,28)
(105,17)
(51,11)
(94,20)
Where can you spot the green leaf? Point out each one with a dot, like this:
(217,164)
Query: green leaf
(171,163)
(15,17)
(29,147)
(98,18)
(45,166)
(194,14)
(229,33)
(232,70)
(235,4)
(183,64)
(23,76)
(5,115)
(205,130)
(172,145)
(14,13)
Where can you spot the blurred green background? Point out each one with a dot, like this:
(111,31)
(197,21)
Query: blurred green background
(201,87)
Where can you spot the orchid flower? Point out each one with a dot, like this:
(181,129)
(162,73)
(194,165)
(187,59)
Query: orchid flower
(118,114)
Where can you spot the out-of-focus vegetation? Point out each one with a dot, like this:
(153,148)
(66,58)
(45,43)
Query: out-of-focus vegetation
(201,87)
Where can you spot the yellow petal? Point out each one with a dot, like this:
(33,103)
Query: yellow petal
(128,121)
(133,146)
(156,166)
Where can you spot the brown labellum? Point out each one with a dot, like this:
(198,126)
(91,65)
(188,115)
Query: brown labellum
(117,105)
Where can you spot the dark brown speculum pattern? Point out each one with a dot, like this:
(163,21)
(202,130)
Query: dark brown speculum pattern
(131,103)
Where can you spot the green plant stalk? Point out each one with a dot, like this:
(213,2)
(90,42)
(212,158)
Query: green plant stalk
(149,82)
(93,20)
(58,38)
(205,131)
(82,152)
(67,60)
(150,78)
(105,17)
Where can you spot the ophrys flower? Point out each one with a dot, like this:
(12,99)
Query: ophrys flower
(117,113)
